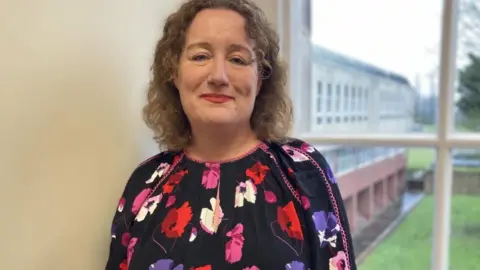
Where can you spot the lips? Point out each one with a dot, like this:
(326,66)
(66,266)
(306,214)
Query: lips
(216,98)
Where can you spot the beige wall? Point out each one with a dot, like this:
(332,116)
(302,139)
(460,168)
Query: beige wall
(72,76)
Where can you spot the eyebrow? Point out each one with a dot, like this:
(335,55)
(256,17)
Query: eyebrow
(232,47)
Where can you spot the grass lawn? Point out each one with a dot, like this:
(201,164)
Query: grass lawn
(422,158)
(410,245)
(419,158)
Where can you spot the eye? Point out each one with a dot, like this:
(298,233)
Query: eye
(199,57)
(238,61)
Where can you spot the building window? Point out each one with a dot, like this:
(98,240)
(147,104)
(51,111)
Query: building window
(329,97)
(365,101)
(338,96)
(359,100)
(353,99)
(345,98)
(319,121)
(319,96)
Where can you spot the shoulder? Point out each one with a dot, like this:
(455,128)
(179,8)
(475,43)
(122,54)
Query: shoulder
(145,173)
(294,146)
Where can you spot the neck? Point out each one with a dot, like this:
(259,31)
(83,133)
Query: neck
(217,144)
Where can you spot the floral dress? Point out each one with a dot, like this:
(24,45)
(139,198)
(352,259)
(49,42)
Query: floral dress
(180,213)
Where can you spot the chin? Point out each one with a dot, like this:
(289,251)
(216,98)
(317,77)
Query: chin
(220,118)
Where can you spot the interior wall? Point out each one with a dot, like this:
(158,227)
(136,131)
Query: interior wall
(72,83)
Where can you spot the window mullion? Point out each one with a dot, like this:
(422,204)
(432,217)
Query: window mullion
(443,168)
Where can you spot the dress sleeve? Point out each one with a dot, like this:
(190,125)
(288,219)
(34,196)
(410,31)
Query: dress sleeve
(341,253)
(130,200)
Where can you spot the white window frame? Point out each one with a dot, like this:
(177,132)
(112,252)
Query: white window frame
(443,141)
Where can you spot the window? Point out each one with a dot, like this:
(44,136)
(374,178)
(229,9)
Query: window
(358,103)
(353,100)
(338,95)
(329,97)
(365,101)
(319,96)
(345,98)
(408,110)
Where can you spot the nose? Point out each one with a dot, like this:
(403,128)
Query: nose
(218,74)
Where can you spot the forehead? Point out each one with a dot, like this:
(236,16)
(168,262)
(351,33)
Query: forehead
(218,26)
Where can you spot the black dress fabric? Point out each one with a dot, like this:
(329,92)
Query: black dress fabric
(180,213)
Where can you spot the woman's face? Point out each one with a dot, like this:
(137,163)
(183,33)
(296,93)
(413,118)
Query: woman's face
(217,77)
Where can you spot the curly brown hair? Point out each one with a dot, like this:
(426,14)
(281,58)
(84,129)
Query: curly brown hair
(272,115)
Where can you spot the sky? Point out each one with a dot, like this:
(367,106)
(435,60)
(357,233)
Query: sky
(402,36)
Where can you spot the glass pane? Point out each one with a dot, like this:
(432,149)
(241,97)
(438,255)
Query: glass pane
(467,96)
(390,213)
(465,219)
(378,63)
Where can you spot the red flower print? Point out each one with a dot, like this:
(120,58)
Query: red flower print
(206,267)
(288,220)
(173,180)
(124,265)
(257,172)
(290,172)
(176,220)
(176,159)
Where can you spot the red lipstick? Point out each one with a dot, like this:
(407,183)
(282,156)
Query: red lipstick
(216,98)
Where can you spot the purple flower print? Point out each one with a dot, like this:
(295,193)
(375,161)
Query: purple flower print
(331,176)
(295,265)
(165,264)
(327,228)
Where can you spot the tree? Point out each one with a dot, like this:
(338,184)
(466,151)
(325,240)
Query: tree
(469,89)
(468,29)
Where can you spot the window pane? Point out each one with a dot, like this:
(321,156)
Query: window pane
(390,214)
(465,217)
(386,64)
(467,96)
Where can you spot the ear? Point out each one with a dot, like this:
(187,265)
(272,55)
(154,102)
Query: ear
(259,85)
(174,80)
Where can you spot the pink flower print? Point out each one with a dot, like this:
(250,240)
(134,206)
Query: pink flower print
(126,239)
(305,202)
(121,204)
(270,196)
(210,175)
(233,248)
(130,249)
(307,148)
(296,155)
(193,234)
(253,267)
(139,200)
(338,262)
(148,207)
(170,201)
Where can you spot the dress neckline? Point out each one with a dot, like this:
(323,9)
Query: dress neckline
(239,157)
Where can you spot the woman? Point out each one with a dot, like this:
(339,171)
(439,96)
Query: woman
(231,191)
